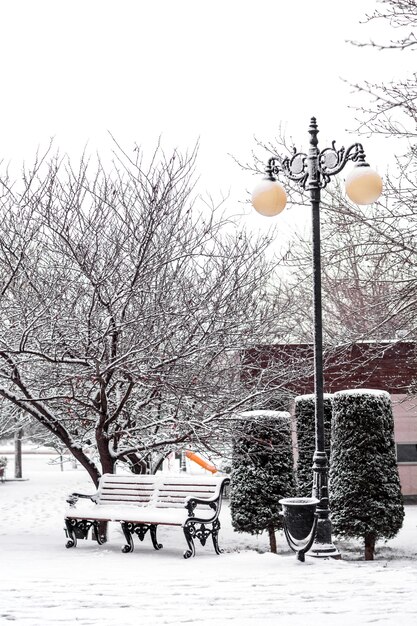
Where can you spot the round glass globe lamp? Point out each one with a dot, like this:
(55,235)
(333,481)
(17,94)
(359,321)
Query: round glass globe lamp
(363,185)
(269,198)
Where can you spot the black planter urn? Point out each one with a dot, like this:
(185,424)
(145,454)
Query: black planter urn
(300,523)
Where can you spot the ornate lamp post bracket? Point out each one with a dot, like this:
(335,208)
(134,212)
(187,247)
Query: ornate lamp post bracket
(329,162)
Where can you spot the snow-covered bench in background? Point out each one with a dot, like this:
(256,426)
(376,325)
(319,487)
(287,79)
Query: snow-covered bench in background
(143,502)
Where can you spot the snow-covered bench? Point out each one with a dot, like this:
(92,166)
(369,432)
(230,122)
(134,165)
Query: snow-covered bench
(143,502)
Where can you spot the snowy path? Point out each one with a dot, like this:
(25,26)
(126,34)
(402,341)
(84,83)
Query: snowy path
(43,584)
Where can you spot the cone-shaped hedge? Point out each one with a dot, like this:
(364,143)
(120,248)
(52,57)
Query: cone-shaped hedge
(306,438)
(365,492)
(263,472)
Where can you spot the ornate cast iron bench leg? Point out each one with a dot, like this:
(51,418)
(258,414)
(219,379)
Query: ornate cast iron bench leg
(72,539)
(78,529)
(154,540)
(215,536)
(127,531)
(97,536)
(189,533)
(140,530)
(200,531)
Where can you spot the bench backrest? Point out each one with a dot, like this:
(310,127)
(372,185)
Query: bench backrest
(161,491)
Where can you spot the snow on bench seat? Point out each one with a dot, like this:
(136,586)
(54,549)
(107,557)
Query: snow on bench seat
(147,515)
(142,502)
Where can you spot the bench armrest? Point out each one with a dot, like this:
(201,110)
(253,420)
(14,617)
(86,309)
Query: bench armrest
(73,497)
(214,503)
(196,500)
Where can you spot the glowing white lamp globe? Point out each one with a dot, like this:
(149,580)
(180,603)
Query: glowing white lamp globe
(363,185)
(269,198)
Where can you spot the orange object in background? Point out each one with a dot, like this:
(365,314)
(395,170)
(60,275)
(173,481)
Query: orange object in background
(194,457)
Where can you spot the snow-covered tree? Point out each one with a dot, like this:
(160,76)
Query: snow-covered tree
(365,491)
(124,307)
(263,472)
(306,441)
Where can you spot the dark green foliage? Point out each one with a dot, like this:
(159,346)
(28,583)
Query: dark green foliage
(263,471)
(306,440)
(365,492)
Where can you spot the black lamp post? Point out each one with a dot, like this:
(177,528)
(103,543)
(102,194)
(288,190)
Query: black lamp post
(312,172)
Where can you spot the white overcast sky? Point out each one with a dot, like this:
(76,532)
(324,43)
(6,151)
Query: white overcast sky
(221,71)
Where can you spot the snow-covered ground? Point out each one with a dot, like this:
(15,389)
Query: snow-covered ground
(44,584)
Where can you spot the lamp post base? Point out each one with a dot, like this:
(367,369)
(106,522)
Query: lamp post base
(323,547)
(324,551)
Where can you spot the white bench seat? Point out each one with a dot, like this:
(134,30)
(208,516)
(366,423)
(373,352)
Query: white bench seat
(146,515)
(142,502)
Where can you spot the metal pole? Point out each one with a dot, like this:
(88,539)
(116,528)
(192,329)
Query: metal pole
(18,436)
(322,546)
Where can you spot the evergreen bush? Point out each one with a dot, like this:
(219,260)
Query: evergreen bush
(365,492)
(306,439)
(262,472)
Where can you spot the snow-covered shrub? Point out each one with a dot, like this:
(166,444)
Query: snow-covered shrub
(263,472)
(365,492)
(306,441)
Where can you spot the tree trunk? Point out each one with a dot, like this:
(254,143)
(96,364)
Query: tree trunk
(87,463)
(106,460)
(107,467)
(136,465)
(18,453)
(272,538)
(369,546)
